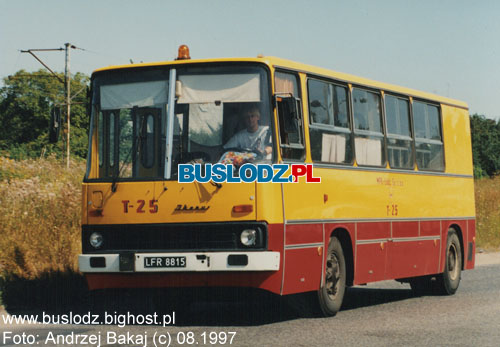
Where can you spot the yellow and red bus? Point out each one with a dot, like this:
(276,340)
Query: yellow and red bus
(395,201)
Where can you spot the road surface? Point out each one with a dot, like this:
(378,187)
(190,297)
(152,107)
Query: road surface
(379,314)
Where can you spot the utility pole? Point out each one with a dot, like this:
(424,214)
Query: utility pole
(66,82)
(67,76)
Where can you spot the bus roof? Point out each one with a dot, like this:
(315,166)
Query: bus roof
(309,69)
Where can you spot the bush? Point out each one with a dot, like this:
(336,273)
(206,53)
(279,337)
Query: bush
(40,207)
(488,213)
(485,137)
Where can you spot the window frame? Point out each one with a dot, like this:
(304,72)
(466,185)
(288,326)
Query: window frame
(144,147)
(358,132)
(300,107)
(410,138)
(425,140)
(108,129)
(332,127)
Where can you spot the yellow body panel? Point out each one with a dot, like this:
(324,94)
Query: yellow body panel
(353,194)
(457,142)
(345,192)
(176,202)
(269,207)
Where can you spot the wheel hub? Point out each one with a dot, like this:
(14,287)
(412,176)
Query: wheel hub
(332,276)
(452,262)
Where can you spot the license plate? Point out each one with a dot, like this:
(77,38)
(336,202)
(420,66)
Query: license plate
(164,262)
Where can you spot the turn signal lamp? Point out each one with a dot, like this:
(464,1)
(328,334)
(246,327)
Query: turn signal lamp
(183,53)
(242,208)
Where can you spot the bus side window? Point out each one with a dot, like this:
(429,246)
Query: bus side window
(368,131)
(399,140)
(428,139)
(289,109)
(329,128)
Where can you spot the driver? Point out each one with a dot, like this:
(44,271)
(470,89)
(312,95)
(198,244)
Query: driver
(255,137)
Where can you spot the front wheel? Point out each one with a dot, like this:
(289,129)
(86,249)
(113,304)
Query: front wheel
(331,293)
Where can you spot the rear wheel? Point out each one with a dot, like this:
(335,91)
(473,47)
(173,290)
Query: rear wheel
(448,281)
(331,293)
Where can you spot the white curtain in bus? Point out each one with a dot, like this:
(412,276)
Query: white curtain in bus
(205,124)
(285,83)
(225,88)
(368,151)
(128,95)
(333,148)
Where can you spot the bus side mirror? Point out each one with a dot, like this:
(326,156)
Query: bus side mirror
(288,113)
(55,124)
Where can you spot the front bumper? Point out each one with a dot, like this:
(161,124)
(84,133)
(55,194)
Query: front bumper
(195,261)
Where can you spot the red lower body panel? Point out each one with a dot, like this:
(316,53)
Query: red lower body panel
(270,281)
(304,258)
(381,250)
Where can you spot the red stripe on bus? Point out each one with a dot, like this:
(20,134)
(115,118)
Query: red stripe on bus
(270,281)
(404,229)
(303,234)
(430,228)
(373,230)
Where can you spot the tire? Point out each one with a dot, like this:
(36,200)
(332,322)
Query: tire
(331,293)
(449,280)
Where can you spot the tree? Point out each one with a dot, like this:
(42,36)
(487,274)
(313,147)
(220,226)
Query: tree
(25,102)
(485,145)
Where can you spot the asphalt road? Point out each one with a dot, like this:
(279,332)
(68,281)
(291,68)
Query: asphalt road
(380,314)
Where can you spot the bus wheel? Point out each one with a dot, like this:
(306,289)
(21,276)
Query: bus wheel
(332,290)
(449,280)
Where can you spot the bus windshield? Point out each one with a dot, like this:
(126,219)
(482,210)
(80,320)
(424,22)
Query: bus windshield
(221,114)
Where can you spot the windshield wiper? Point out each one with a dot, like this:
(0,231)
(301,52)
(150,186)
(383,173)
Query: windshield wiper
(118,173)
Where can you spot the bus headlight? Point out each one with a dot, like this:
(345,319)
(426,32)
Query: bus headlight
(96,240)
(248,237)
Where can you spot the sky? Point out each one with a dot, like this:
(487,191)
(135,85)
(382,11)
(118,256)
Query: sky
(447,47)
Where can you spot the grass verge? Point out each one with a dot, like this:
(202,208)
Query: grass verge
(40,205)
(487,191)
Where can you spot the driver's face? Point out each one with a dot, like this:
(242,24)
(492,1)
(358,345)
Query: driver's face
(252,120)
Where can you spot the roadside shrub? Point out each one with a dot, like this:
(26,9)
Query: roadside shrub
(488,213)
(39,216)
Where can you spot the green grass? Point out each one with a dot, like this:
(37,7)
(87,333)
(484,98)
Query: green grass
(40,207)
(488,213)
